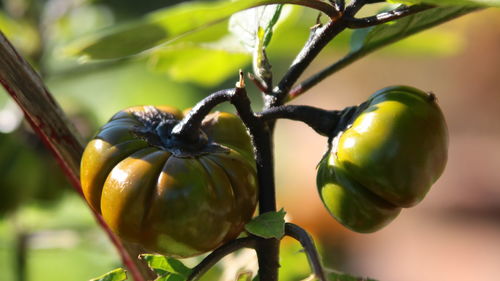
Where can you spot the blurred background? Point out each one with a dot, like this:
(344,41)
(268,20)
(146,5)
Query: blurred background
(48,233)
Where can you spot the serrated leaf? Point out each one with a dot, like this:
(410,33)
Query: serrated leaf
(165,265)
(158,28)
(367,40)
(118,274)
(483,3)
(268,225)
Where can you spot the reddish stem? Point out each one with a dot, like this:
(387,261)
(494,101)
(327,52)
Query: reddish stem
(47,119)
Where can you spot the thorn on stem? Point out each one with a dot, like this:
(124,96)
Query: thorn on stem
(241,83)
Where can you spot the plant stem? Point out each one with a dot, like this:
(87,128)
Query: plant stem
(189,127)
(267,249)
(319,38)
(47,119)
(322,121)
(215,256)
(299,234)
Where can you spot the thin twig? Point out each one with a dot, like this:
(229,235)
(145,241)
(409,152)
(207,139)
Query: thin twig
(307,242)
(47,119)
(381,18)
(263,88)
(219,253)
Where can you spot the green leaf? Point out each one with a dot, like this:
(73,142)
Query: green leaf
(21,33)
(247,26)
(199,64)
(483,3)
(367,40)
(254,28)
(268,225)
(159,28)
(164,265)
(118,274)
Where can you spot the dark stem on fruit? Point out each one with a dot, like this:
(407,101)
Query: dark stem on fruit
(219,253)
(267,249)
(188,129)
(299,234)
(257,128)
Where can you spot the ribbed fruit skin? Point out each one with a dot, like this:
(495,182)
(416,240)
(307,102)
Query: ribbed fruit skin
(387,159)
(176,206)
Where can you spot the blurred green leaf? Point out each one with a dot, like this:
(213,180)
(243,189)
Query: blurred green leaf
(434,42)
(337,276)
(170,277)
(367,40)
(164,265)
(244,276)
(202,64)
(106,90)
(21,33)
(118,274)
(484,3)
(158,28)
(294,264)
(268,225)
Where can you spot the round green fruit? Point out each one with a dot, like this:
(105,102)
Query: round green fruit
(386,159)
(154,192)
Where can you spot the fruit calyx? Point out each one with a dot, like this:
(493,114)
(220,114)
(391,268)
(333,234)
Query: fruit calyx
(157,129)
